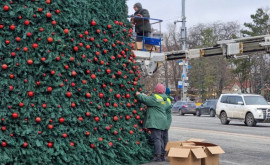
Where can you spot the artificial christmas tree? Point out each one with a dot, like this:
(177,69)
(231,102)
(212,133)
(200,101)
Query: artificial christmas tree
(68,80)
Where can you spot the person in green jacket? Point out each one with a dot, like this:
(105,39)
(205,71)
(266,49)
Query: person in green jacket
(156,118)
(142,25)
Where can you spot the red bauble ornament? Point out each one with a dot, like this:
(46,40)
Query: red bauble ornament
(50,126)
(87,114)
(15,115)
(80,118)
(96,119)
(4,128)
(4,66)
(108,71)
(131,132)
(127,117)
(93,76)
(38,119)
(30,62)
(92,145)
(26,22)
(101,95)
(4,144)
(50,144)
(87,133)
(48,15)
(93,23)
(6,8)
(61,120)
(75,48)
(88,95)
(50,39)
(21,104)
(30,94)
(64,135)
(71,144)
(111,144)
(44,105)
(12,27)
(66,31)
(57,11)
(25,144)
(49,89)
(73,105)
(68,94)
(115,118)
(73,73)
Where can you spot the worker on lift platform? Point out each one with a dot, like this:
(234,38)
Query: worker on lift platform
(142,25)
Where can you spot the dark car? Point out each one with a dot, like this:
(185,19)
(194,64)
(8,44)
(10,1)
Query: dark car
(184,107)
(207,108)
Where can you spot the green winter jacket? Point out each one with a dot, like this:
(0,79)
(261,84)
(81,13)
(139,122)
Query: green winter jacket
(157,106)
(169,112)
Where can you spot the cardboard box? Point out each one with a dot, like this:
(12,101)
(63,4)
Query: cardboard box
(189,142)
(212,151)
(176,150)
(139,46)
(186,155)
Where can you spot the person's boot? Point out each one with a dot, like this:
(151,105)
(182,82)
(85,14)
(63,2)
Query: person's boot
(157,158)
(162,157)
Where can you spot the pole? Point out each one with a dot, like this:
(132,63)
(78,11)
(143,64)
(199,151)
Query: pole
(183,37)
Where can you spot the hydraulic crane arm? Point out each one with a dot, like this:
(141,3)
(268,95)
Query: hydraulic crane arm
(235,48)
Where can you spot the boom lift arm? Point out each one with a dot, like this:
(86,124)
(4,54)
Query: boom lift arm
(235,48)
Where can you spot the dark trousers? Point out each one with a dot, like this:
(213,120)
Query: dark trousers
(140,35)
(165,136)
(156,137)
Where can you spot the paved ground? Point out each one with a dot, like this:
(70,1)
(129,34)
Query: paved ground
(243,145)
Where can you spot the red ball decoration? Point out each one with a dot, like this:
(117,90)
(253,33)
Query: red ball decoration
(101,95)
(50,144)
(88,95)
(87,133)
(6,8)
(87,113)
(64,135)
(21,104)
(75,48)
(49,89)
(15,115)
(68,94)
(93,76)
(50,126)
(26,22)
(96,119)
(61,120)
(93,23)
(115,118)
(30,94)
(30,62)
(66,31)
(12,27)
(48,15)
(25,144)
(4,66)
(38,119)
(50,39)
(35,45)
(80,118)
(4,144)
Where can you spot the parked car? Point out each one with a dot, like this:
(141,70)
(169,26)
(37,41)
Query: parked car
(207,108)
(248,108)
(184,107)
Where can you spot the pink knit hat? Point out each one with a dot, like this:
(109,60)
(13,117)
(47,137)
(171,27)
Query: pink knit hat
(159,88)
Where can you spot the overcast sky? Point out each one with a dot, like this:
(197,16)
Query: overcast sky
(201,11)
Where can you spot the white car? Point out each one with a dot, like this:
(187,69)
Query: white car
(249,108)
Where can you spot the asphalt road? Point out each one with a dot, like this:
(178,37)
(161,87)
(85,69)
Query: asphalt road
(243,145)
